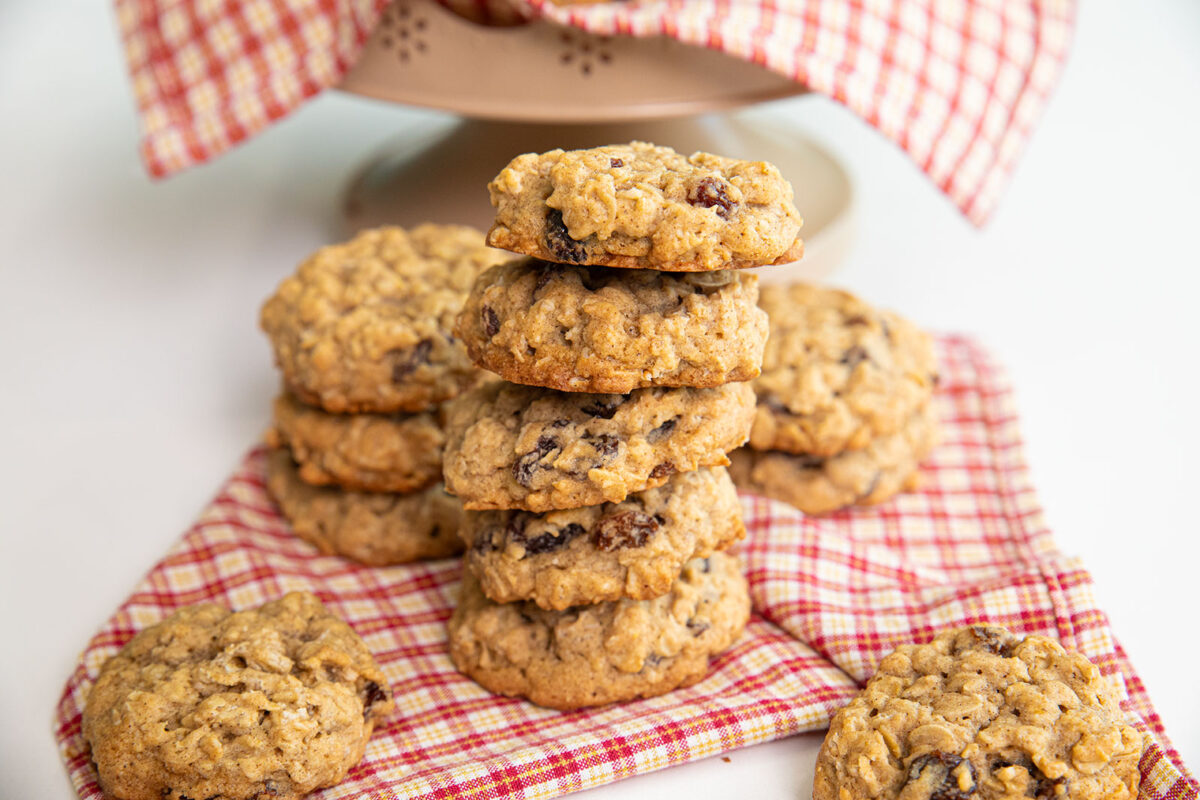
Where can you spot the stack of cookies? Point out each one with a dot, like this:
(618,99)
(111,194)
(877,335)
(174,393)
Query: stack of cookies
(844,402)
(593,474)
(363,334)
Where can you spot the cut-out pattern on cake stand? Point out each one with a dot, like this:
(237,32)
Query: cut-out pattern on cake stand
(425,55)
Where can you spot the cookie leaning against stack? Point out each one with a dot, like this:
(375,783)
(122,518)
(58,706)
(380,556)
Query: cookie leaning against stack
(276,702)
(363,334)
(844,402)
(598,504)
(980,713)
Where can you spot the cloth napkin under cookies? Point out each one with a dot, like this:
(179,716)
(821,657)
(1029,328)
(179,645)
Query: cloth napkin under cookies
(832,596)
(957,84)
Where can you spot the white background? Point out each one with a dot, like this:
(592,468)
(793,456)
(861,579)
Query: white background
(132,376)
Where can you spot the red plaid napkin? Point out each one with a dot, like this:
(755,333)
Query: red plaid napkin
(958,84)
(832,596)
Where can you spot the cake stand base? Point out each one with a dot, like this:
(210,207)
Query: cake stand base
(439,173)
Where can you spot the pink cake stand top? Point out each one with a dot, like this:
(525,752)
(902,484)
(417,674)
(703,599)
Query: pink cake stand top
(425,55)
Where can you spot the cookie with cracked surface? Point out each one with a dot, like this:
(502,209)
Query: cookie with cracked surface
(366,325)
(641,206)
(836,372)
(276,701)
(596,654)
(594,329)
(635,548)
(524,447)
(364,452)
(820,484)
(981,714)
(375,528)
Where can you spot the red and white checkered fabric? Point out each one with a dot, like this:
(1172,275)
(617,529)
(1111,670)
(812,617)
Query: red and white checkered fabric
(832,595)
(958,84)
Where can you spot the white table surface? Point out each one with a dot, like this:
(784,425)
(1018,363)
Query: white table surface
(133,377)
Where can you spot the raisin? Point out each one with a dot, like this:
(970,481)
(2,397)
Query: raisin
(854,356)
(595,278)
(515,529)
(662,430)
(550,540)
(524,467)
(774,403)
(1046,788)
(375,694)
(857,319)
(419,356)
(544,273)
(706,566)
(715,278)
(486,543)
(624,529)
(993,640)
(710,193)
(663,470)
(945,783)
(603,407)
(707,283)
(808,461)
(560,423)
(615,163)
(491,323)
(559,241)
(606,446)
(697,627)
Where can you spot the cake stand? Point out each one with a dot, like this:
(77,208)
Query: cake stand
(535,85)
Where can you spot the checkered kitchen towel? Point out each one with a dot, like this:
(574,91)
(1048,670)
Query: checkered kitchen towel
(958,84)
(832,596)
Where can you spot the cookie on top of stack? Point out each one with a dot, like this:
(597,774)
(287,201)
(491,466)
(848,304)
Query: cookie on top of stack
(598,504)
(363,334)
(844,402)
